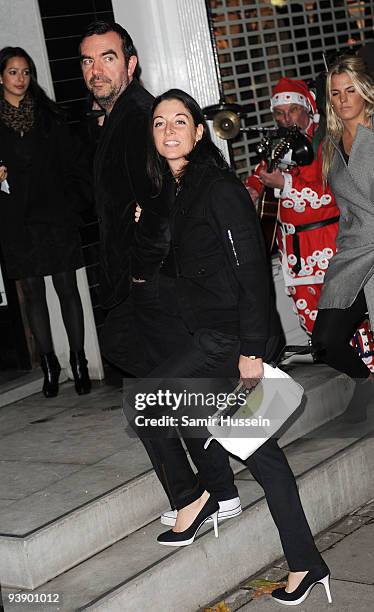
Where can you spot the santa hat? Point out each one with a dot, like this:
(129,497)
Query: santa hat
(292,91)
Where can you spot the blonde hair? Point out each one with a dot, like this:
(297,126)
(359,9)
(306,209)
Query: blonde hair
(363,82)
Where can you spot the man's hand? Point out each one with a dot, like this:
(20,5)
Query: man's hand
(254,195)
(251,370)
(274,179)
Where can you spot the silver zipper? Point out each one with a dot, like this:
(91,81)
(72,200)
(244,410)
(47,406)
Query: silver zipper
(233,246)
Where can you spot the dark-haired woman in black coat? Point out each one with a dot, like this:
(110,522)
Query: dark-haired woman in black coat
(44,183)
(223,312)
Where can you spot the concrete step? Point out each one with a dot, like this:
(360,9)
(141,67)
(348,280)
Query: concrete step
(92,506)
(137,574)
(23,386)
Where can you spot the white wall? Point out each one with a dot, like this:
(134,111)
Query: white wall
(173,43)
(21,26)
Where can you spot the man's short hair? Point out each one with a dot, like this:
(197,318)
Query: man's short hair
(103,27)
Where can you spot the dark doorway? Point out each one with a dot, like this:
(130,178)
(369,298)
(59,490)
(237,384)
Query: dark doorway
(14,351)
(64,22)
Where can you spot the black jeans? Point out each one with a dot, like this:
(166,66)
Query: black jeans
(207,353)
(333,330)
(270,468)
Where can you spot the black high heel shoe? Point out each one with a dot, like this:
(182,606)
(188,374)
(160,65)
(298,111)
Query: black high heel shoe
(51,370)
(316,574)
(186,537)
(79,368)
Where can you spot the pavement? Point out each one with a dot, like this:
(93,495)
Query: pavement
(347,548)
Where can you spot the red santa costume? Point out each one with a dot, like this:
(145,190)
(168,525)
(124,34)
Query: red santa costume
(307,219)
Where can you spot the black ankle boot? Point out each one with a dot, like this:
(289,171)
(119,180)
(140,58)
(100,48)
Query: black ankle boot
(51,370)
(79,368)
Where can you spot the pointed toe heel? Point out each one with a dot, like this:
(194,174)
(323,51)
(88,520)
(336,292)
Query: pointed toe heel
(186,537)
(314,576)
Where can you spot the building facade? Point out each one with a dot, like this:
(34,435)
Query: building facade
(255,42)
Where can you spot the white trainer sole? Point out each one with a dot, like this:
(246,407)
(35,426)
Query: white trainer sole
(169,518)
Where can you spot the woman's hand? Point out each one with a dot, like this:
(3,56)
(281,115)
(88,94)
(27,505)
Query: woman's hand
(251,370)
(3,173)
(138,212)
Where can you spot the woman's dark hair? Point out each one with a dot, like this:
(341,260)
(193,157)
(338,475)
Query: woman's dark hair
(103,27)
(204,153)
(44,106)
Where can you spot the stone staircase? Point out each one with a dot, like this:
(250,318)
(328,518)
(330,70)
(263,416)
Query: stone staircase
(89,533)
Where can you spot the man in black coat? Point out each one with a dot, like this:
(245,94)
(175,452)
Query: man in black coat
(108,61)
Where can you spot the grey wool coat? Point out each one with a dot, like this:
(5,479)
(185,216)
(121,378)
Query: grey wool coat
(352,267)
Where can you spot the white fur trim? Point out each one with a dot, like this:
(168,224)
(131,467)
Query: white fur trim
(289,97)
(286,192)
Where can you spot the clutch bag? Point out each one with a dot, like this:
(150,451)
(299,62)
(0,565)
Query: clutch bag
(257,414)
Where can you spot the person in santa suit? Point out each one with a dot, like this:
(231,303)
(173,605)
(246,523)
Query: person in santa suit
(308,216)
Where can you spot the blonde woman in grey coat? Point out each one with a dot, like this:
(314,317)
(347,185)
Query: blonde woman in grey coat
(348,166)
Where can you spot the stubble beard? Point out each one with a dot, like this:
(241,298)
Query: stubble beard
(107,101)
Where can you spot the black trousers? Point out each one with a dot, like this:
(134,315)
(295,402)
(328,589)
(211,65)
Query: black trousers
(270,468)
(214,355)
(120,343)
(199,365)
(333,330)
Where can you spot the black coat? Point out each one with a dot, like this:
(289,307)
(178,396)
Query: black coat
(58,183)
(121,182)
(218,256)
(50,185)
